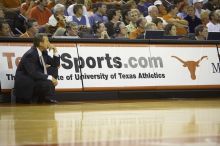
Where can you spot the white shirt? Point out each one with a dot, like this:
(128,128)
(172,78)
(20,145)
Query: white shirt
(53,21)
(213,27)
(40,54)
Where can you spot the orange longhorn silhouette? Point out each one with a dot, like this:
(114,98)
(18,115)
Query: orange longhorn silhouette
(191,65)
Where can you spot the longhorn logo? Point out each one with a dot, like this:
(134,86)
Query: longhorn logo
(191,65)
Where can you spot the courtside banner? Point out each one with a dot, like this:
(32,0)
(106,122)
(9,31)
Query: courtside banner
(118,66)
(105,66)
(187,64)
(68,63)
(12,52)
(108,66)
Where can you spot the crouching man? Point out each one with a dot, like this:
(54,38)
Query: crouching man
(37,72)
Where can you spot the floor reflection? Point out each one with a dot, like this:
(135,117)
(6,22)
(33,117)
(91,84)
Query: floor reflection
(140,123)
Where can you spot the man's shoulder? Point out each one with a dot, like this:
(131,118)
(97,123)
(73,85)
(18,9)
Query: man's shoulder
(31,52)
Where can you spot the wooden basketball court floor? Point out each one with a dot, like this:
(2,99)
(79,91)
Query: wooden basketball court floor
(159,122)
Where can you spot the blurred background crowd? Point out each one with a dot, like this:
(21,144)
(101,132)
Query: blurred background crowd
(109,19)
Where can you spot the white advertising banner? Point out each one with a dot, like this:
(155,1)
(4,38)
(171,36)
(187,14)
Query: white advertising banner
(123,66)
(115,65)
(12,52)
(69,57)
(187,64)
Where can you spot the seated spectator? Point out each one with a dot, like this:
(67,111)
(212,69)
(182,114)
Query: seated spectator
(41,13)
(153,13)
(170,30)
(113,17)
(150,26)
(204,18)
(198,4)
(161,8)
(100,31)
(192,19)
(5,30)
(159,23)
(79,18)
(99,15)
(214,21)
(71,31)
(32,28)
(120,31)
(142,7)
(134,15)
(201,33)
(26,7)
(172,18)
(141,22)
(58,13)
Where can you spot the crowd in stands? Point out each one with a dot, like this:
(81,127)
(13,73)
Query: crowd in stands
(109,19)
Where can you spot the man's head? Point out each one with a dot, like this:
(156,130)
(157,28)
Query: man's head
(32,26)
(198,4)
(41,41)
(4,28)
(101,8)
(153,11)
(72,29)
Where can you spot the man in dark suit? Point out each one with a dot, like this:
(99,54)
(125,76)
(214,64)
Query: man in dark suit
(37,72)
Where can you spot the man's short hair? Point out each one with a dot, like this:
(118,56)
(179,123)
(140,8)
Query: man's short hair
(38,38)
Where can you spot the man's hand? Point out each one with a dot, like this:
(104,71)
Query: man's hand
(52,47)
(54,81)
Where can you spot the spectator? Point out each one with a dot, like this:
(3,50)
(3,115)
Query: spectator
(161,9)
(141,22)
(5,29)
(58,13)
(204,18)
(192,19)
(153,13)
(150,26)
(32,28)
(134,15)
(214,25)
(26,8)
(159,23)
(99,15)
(172,18)
(170,30)
(142,7)
(201,33)
(79,18)
(125,16)
(120,31)
(198,4)
(100,31)
(113,17)
(41,13)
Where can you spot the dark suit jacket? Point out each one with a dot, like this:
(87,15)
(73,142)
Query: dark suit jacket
(31,70)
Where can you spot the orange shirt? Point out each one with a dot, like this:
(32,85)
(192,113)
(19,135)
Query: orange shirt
(42,17)
(179,31)
(134,34)
(10,3)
